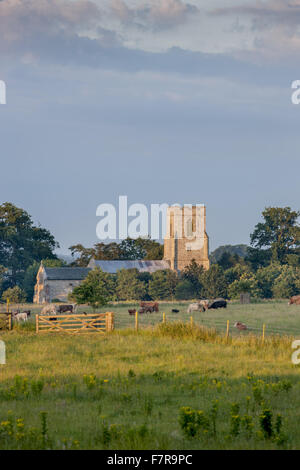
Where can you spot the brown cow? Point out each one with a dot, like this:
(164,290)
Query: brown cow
(295,300)
(154,305)
(240,326)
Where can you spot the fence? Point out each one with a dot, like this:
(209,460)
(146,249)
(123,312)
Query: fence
(222,326)
(75,324)
(5,321)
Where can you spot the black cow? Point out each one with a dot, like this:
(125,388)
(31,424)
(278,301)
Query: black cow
(219,303)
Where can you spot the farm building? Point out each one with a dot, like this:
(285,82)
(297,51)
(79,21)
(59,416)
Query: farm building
(186,239)
(142,266)
(57,283)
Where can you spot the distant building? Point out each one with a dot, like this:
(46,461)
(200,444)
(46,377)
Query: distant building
(57,283)
(186,239)
(142,266)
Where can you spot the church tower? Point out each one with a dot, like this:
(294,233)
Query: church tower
(186,238)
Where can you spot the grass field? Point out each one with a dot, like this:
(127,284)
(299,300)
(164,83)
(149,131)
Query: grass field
(278,316)
(166,387)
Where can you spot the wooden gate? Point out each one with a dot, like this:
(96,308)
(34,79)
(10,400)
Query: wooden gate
(76,323)
(5,321)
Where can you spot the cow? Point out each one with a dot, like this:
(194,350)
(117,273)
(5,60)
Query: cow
(131,311)
(196,307)
(174,310)
(200,306)
(149,309)
(240,326)
(49,310)
(67,308)
(154,305)
(204,304)
(218,303)
(22,316)
(295,300)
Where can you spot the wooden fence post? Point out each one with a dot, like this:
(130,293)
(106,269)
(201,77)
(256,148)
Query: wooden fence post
(136,320)
(164,317)
(37,323)
(7,305)
(192,322)
(9,321)
(263,335)
(227,330)
(112,322)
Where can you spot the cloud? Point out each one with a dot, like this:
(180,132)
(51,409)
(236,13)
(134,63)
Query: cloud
(156,15)
(274,25)
(266,15)
(23,18)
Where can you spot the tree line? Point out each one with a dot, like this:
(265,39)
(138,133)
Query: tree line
(268,268)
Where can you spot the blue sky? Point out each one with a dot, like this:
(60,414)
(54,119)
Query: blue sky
(162,101)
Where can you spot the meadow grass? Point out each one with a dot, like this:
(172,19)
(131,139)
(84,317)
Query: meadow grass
(277,315)
(171,386)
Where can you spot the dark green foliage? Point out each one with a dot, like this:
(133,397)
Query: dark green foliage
(163,284)
(214,283)
(96,290)
(21,242)
(15,295)
(279,233)
(129,286)
(194,273)
(185,290)
(234,250)
(129,249)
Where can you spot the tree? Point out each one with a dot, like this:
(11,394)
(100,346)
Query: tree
(129,249)
(2,278)
(129,286)
(21,242)
(246,283)
(214,283)
(279,233)
(228,260)
(239,250)
(185,290)
(266,276)
(97,289)
(287,283)
(194,273)
(163,284)
(235,273)
(15,295)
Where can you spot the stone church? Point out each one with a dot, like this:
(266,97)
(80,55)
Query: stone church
(186,239)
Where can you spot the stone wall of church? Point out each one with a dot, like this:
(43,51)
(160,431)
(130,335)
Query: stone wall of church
(60,289)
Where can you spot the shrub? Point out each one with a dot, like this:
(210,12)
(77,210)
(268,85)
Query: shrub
(15,295)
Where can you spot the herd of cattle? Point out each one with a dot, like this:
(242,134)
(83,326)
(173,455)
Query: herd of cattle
(144,307)
(200,306)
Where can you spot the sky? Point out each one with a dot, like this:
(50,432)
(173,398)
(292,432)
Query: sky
(165,101)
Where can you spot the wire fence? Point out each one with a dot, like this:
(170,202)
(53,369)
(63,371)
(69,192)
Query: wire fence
(222,326)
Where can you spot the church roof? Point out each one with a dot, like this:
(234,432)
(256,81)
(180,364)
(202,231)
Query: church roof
(66,274)
(141,265)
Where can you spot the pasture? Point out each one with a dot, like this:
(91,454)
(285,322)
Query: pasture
(278,316)
(168,386)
